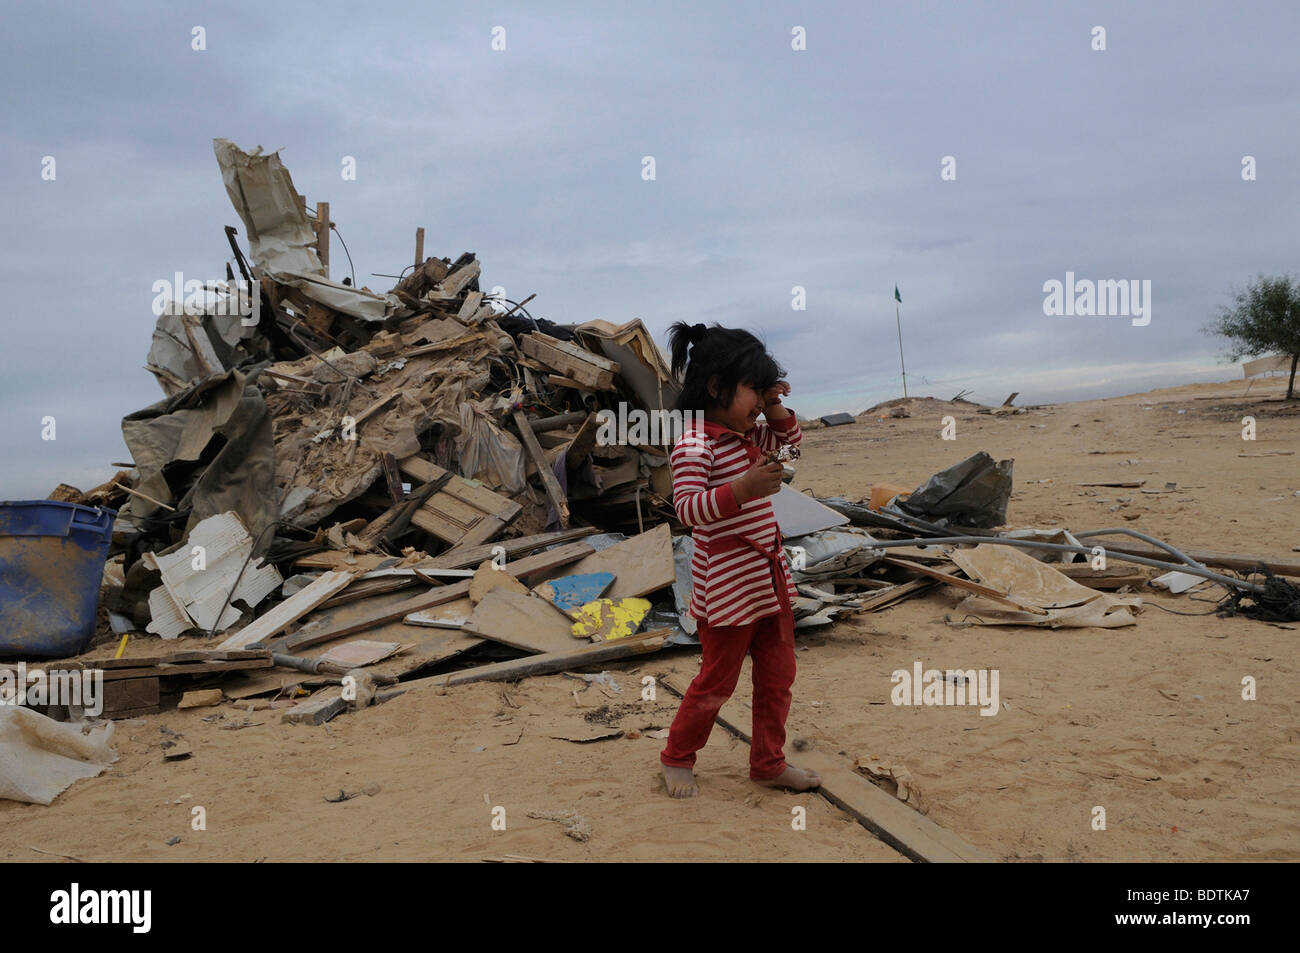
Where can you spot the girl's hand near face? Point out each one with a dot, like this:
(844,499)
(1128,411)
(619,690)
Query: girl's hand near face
(772,407)
(772,396)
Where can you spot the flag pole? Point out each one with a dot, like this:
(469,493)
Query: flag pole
(899,320)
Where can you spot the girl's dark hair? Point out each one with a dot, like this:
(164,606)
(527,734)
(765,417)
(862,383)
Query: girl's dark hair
(731,355)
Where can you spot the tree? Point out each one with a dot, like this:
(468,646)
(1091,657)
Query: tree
(1263,319)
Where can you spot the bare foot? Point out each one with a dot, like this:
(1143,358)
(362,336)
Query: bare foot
(680,781)
(797,778)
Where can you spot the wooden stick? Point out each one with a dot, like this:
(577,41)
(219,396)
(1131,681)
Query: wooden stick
(323,235)
(968,585)
(534,449)
(144,496)
(548,663)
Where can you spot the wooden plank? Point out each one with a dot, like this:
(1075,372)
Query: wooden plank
(540,562)
(130,694)
(522,621)
(1244,562)
(471,493)
(288,612)
(583,367)
(360,652)
(1112,577)
(553,492)
(598,653)
(419,247)
(318,709)
(887,597)
(901,827)
(201,699)
(422,647)
(470,306)
(323,235)
(463,556)
(459,512)
(968,585)
(641,564)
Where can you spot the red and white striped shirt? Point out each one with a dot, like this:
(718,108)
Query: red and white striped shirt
(731,585)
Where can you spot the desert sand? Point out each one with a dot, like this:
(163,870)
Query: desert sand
(1146,721)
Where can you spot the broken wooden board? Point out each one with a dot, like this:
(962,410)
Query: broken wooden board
(884,598)
(640,564)
(360,652)
(968,585)
(271,624)
(318,709)
(422,647)
(130,695)
(372,616)
(559,502)
(571,361)
(489,577)
(599,653)
(201,699)
(464,556)
(463,512)
(525,622)
(453,615)
(910,833)
(1112,577)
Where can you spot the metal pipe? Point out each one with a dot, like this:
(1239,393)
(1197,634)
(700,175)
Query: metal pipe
(1189,568)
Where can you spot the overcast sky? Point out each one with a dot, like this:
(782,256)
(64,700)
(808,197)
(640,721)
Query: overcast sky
(774,168)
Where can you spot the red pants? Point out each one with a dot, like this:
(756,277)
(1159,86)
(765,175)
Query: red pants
(771,645)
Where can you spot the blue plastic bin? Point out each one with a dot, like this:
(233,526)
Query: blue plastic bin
(51,563)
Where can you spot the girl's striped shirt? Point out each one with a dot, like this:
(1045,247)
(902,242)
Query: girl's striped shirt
(732,586)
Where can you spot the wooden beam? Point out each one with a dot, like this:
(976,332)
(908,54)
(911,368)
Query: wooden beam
(1245,562)
(288,612)
(419,247)
(308,636)
(643,643)
(553,491)
(906,830)
(587,369)
(323,235)
(988,593)
(461,557)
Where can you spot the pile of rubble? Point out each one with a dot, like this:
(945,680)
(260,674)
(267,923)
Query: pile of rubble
(323,450)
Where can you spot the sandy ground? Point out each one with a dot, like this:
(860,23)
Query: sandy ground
(1145,721)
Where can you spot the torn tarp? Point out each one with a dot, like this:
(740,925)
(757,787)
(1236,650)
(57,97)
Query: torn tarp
(207,450)
(281,239)
(832,552)
(971,493)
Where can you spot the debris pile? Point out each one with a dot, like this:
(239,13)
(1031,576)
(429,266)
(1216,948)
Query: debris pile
(344,488)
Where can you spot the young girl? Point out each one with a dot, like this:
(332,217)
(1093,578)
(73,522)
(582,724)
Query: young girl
(742,590)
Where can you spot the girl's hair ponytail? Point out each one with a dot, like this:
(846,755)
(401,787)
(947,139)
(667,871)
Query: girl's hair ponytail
(680,338)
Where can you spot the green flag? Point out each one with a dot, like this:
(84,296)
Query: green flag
(897,297)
